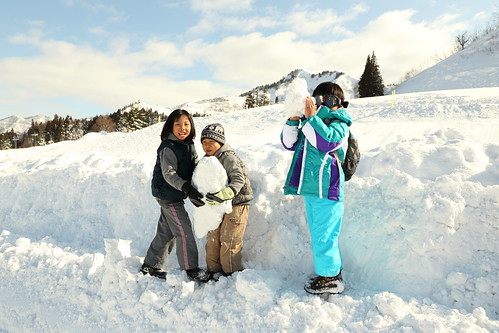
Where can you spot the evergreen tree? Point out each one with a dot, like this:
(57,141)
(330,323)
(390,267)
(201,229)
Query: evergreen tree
(250,101)
(371,82)
(5,143)
(264,98)
(66,128)
(136,119)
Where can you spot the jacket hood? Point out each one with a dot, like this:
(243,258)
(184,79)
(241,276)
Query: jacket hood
(172,137)
(341,114)
(225,147)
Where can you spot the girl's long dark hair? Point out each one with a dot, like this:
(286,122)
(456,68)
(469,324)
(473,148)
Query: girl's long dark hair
(168,126)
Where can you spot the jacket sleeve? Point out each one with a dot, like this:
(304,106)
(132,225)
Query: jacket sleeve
(289,134)
(235,173)
(325,138)
(169,164)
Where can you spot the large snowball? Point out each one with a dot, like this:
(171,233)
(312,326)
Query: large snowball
(209,177)
(296,93)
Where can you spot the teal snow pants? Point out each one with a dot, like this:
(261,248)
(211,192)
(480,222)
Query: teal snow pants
(324,221)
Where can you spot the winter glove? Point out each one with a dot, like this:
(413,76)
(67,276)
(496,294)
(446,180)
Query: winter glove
(193,194)
(220,196)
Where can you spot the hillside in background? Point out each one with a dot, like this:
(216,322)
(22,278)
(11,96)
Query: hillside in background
(20,124)
(477,66)
(275,92)
(278,89)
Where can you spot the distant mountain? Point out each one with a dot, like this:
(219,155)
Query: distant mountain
(477,66)
(139,105)
(278,89)
(273,90)
(213,105)
(20,124)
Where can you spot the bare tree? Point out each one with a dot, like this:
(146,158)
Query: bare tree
(103,123)
(462,41)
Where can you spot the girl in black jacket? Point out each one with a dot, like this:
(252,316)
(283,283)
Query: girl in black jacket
(171,184)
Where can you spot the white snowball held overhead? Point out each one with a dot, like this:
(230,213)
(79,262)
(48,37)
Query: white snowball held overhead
(209,177)
(296,93)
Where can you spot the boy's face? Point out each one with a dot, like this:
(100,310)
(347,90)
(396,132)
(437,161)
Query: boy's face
(210,146)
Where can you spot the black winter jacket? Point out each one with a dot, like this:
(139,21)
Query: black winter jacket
(174,166)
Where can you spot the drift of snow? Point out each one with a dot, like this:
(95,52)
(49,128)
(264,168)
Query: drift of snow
(419,238)
(209,177)
(296,93)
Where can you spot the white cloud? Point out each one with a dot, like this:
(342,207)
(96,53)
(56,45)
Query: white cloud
(309,21)
(213,21)
(399,45)
(97,7)
(33,36)
(110,79)
(303,20)
(255,59)
(221,5)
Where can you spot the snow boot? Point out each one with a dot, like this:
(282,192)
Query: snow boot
(157,272)
(197,274)
(324,284)
(215,276)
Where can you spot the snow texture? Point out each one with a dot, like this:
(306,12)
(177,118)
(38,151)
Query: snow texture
(209,177)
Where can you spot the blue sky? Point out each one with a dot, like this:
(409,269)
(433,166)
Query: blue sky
(86,57)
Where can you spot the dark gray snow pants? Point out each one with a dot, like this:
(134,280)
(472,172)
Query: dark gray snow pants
(174,226)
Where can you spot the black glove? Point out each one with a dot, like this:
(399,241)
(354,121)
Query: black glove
(193,194)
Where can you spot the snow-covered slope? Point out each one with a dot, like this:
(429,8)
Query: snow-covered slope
(419,238)
(474,67)
(19,124)
(273,90)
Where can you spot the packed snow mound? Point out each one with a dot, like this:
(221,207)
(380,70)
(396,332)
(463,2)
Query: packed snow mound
(419,238)
(476,66)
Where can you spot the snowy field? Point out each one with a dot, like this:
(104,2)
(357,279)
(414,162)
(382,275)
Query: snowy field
(419,237)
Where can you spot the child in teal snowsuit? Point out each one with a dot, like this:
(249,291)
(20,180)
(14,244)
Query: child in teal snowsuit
(319,141)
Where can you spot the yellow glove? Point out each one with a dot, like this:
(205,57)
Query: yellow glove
(220,196)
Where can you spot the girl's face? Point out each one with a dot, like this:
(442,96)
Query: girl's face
(210,146)
(181,127)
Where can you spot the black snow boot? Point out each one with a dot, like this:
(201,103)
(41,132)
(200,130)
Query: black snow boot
(197,274)
(157,272)
(324,284)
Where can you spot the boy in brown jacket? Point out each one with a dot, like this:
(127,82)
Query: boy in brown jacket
(224,244)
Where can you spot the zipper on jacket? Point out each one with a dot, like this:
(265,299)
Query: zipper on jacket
(321,173)
(304,158)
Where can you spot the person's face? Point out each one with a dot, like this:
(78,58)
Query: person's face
(182,127)
(210,146)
